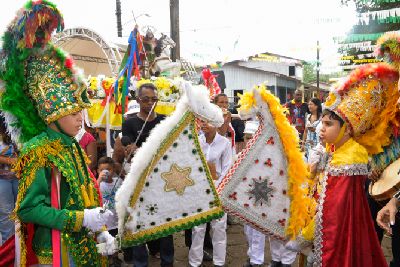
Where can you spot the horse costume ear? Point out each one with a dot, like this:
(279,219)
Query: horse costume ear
(169,187)
(265,185)
(199,103)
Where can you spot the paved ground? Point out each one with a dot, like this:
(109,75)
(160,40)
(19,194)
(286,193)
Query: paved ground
(237,248)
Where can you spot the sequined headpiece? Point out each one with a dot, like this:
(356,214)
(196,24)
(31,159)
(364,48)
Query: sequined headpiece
(53,85)
(41,83)
(366,100)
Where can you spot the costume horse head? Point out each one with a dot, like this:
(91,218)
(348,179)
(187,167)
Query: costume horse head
(150,204)
(263,188)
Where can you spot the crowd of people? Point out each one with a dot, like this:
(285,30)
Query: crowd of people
(62,195)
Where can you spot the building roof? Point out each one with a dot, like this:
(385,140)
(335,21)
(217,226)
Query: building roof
(236,64)
(270,57)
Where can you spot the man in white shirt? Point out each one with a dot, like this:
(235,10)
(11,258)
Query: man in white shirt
(218,153)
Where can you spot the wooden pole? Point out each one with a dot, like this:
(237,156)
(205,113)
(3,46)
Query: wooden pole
(118,13)
(174,20)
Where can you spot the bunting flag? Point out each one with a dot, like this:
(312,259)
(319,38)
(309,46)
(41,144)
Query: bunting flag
(169,187)
(365,17)
(265,186)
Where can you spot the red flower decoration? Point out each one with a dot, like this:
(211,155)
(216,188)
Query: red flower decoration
(284,210)
(268,163)
(282,222)
(256,161)
(246,205)
(270,141)
(233,196)
(69,62)
(281,173)
(263,214)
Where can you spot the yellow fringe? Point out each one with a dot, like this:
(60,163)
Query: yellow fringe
(297,169)
(85,196)
(34,159)
(91,195)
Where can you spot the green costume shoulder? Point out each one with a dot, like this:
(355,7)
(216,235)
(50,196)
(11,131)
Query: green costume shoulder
(40,158)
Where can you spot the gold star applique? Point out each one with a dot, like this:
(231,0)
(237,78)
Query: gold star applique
(177,179)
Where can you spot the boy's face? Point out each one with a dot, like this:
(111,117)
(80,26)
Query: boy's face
(207,128)
(330,129)
(71,124)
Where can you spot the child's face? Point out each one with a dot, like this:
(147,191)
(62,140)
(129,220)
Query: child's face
(71,124)
(330,129)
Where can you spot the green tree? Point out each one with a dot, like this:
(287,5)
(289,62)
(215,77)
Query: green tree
(309,72)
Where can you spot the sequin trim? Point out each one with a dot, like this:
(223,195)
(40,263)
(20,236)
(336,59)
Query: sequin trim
(318,241)
(351,169)
(45,259)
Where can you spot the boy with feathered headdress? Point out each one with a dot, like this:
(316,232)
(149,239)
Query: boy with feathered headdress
(57,207)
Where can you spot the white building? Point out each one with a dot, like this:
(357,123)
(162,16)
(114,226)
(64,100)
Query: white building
(282,75)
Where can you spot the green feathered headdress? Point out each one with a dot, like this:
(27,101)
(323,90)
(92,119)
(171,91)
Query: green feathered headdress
(40,82)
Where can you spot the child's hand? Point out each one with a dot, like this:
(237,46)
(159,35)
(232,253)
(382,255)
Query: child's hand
(103,176)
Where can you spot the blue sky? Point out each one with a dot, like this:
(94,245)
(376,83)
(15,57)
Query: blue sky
(220,30)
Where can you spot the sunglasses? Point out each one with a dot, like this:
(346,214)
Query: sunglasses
(148,99)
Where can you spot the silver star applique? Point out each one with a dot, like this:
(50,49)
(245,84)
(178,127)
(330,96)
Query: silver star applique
(261,191)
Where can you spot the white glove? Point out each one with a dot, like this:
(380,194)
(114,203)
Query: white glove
(298,245)
(107,244)
(315,155)
(95,219)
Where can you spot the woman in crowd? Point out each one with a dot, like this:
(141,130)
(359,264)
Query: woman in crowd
(311,135)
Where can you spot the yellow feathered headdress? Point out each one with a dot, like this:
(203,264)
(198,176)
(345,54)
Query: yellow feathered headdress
(367,102)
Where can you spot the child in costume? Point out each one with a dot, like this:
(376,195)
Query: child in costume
(58,202)
(355,123)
